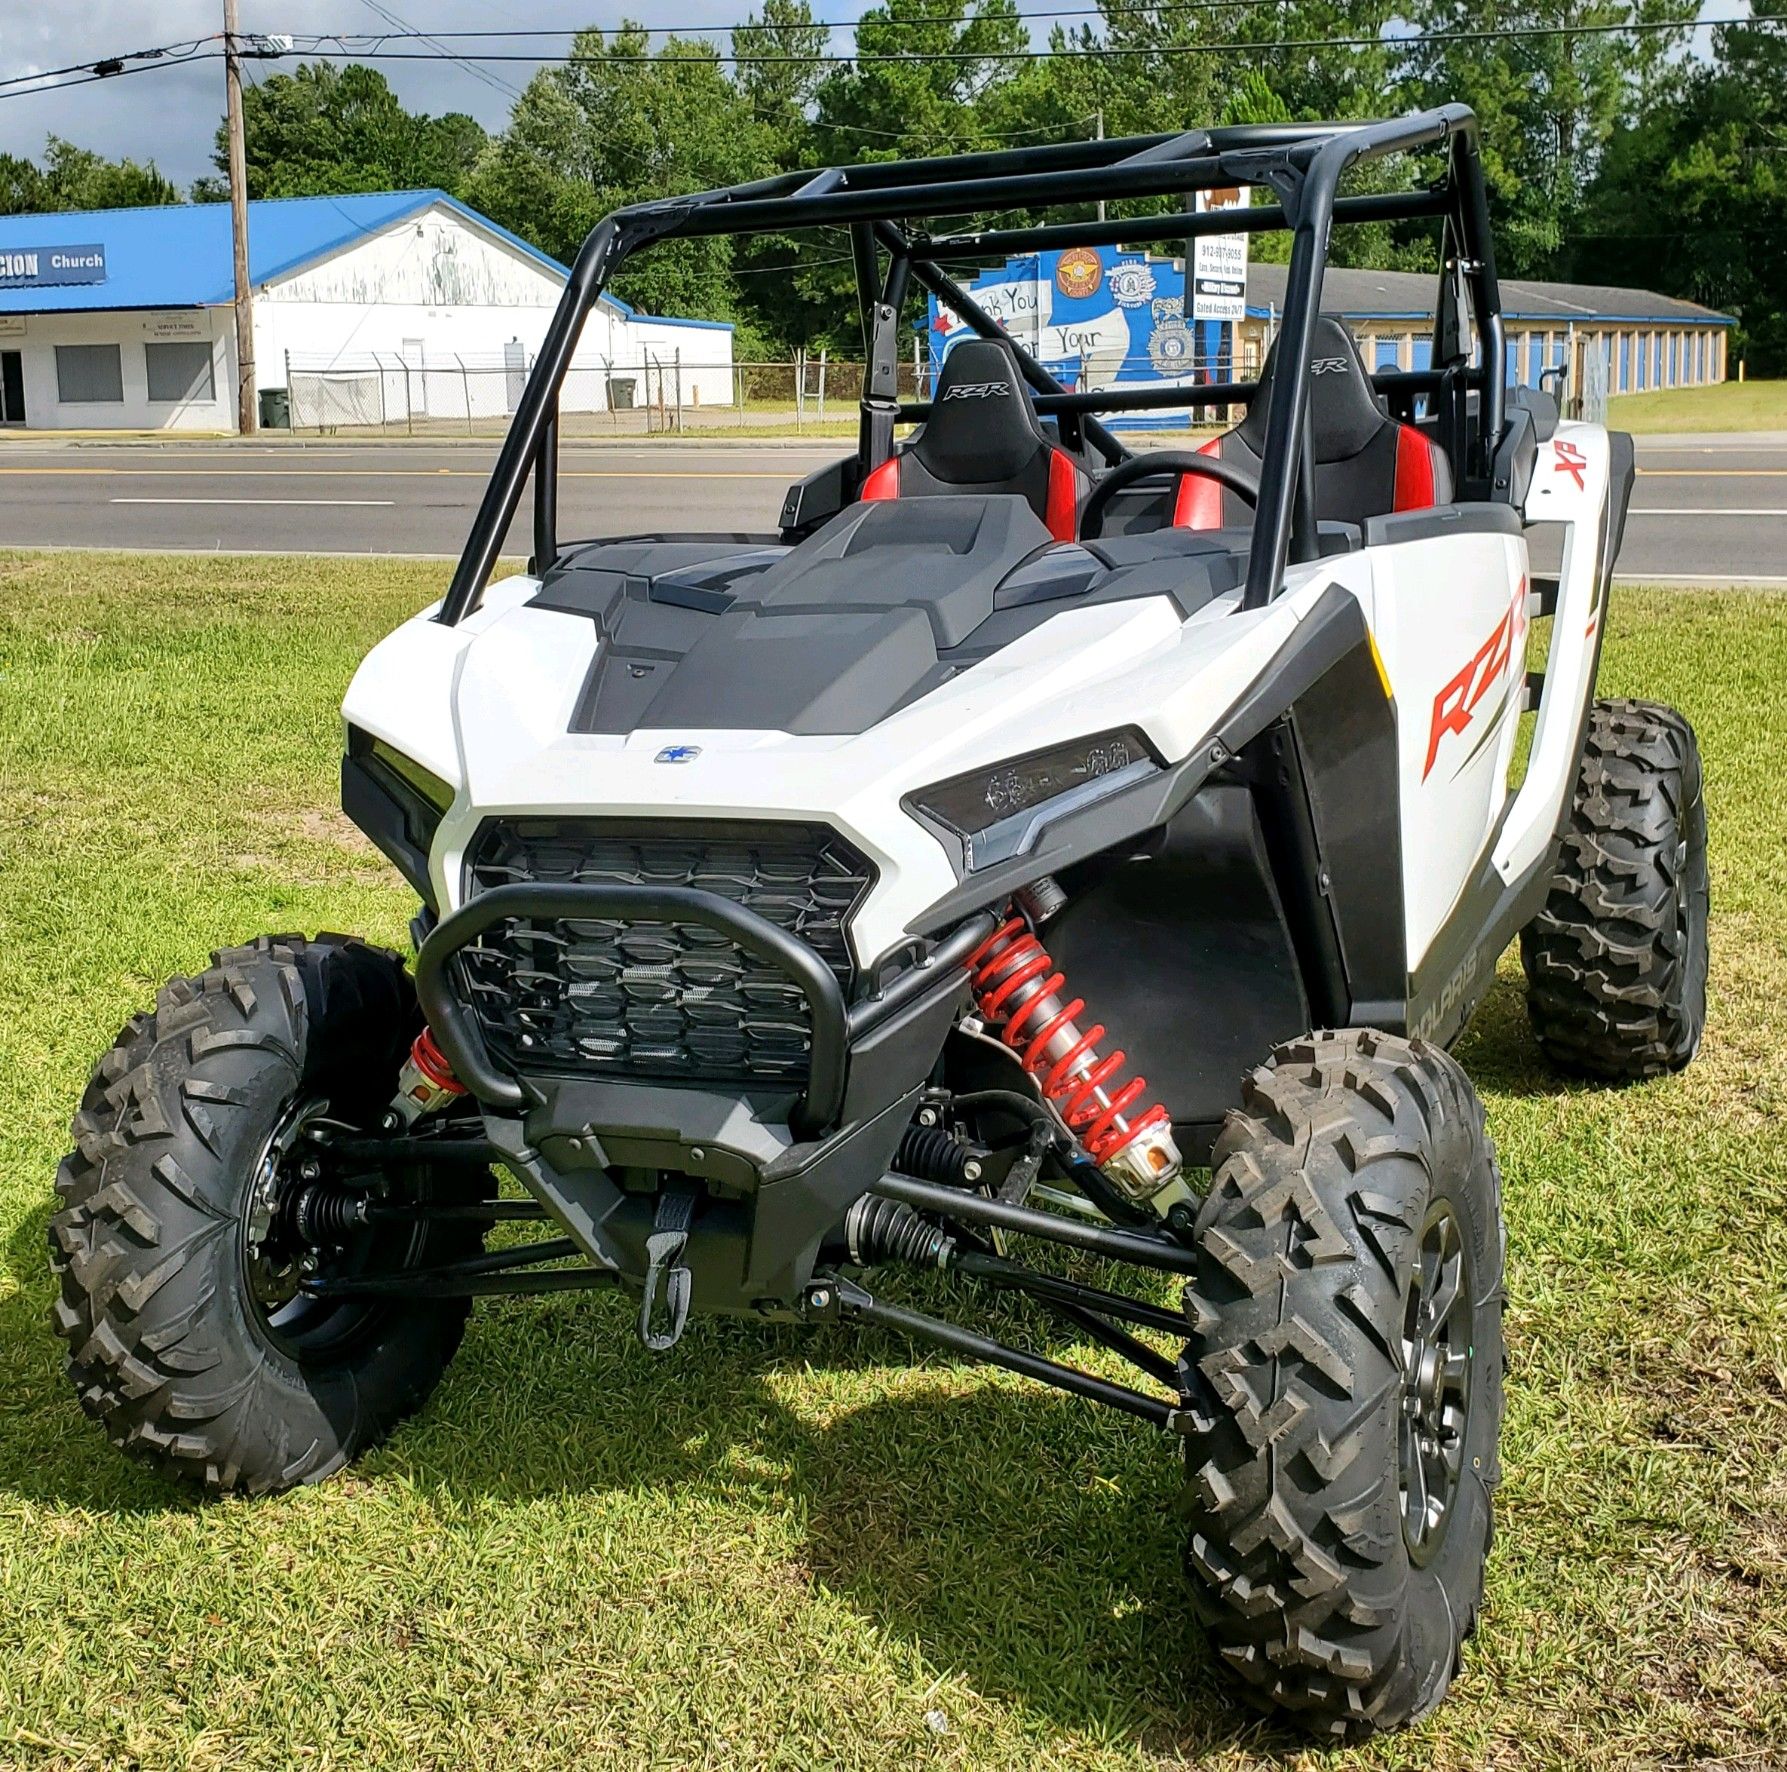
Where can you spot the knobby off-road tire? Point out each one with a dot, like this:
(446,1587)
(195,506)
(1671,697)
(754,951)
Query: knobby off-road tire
(1616,961)
(167,1346)
(1333,1184)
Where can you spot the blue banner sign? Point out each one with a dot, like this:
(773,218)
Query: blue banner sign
(43,267)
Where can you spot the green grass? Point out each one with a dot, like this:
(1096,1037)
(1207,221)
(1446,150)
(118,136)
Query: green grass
(1726,406)
(776,1549)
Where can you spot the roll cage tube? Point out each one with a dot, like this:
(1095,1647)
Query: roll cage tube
(881,202)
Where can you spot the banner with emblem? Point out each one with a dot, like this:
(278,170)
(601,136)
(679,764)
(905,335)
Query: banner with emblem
(1097,317)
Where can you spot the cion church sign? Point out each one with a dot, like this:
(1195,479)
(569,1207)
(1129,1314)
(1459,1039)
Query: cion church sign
(42,267)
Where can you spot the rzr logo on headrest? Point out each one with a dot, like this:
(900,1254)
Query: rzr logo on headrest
(978,390)
(1328,366)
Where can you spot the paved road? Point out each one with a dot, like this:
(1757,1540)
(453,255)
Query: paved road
(1710,509)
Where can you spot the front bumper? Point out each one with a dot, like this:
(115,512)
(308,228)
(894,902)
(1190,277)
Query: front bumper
(777,1169)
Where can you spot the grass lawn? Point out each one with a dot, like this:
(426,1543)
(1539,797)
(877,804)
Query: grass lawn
(780,1549)
(1726,406)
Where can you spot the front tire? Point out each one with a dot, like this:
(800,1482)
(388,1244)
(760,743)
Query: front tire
(1616,962)
(1344,1377)
(190,1343)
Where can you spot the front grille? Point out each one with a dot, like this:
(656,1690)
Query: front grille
(630,998)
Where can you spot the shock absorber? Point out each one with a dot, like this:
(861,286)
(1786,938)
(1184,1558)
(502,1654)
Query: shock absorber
(425,1083)
(1022,995)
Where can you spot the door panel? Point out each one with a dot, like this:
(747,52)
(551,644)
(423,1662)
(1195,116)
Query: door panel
(1450,622)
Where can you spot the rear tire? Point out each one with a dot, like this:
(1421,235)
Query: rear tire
(175,1344)
(1616,962)
(1354,1178)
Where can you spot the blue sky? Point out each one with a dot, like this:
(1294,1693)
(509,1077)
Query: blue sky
(169,115)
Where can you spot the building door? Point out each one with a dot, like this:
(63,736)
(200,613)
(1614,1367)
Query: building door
(415,375)
(12,388)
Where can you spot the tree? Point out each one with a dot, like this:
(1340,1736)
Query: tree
(1547,104)
(618,124)
(77,178)
(1692,198)
(331,129)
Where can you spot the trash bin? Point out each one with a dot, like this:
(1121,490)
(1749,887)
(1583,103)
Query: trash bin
(276,409)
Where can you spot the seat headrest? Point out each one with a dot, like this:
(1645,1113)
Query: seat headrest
(1344,410)
(981,426)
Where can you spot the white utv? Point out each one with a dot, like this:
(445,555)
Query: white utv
(803,906)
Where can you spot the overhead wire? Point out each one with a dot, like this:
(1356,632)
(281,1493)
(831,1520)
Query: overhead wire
(1101,51)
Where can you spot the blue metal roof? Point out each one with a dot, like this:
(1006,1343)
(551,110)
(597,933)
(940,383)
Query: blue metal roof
(178,255)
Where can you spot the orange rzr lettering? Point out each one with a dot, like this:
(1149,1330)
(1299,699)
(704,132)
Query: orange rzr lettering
(1455,705)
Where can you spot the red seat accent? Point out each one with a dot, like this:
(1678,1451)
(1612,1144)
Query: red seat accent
(1198,502)
(1415,489)
(884,481)
(1062,513)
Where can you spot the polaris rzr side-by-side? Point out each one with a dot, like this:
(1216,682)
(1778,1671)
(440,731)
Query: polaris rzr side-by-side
(802,907)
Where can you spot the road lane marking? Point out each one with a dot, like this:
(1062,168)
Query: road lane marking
(1713,473)
(1708,511)
(331,503)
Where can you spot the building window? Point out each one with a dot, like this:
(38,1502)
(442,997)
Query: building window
(89,375)
(180,371)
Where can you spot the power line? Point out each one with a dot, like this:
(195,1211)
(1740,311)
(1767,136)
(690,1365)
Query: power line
(707,28)
(114,74)
(193,50)
(405,28)
(1102,51)
(111,66)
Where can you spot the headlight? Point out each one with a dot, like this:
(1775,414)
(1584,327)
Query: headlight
(396,802)
(997,811)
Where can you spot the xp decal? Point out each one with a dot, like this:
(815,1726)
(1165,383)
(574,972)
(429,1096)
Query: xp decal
(1570,460)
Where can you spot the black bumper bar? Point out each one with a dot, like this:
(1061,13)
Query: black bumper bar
(834,1027)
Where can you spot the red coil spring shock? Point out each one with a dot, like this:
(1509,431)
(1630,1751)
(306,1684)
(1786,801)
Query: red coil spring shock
(1017,990)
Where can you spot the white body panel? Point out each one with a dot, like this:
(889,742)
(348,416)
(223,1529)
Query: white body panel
(487,707)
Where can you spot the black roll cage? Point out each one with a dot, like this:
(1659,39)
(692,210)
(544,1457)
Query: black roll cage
(1302,163)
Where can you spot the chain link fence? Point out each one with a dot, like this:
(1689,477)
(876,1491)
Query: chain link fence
(392,393)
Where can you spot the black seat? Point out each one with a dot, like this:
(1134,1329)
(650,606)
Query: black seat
(984,436)
(1366,463)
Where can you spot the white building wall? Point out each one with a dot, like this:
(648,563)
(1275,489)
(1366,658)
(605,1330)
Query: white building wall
(428,316)
(35,337)
(424,317)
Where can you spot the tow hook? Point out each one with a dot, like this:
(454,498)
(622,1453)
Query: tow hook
(667,1273)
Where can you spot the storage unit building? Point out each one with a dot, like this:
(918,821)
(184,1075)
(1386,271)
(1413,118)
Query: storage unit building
(1101,316)
(401,305)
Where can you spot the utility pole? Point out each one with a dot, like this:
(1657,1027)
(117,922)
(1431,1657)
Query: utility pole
(246,416)
(1100,117)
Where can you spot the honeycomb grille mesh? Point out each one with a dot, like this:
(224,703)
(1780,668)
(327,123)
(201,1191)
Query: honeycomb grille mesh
(629,998)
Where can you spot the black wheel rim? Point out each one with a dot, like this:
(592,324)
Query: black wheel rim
(1436,1365)
(275,1265)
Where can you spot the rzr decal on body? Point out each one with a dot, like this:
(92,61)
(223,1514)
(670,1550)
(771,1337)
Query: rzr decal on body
(1458,704)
